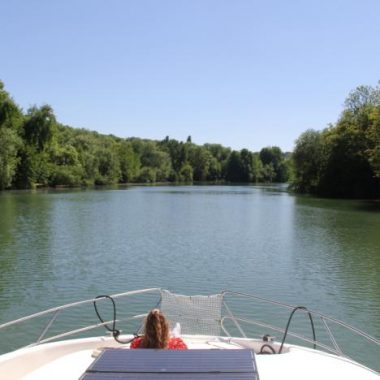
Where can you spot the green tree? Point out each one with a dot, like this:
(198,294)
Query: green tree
(129,162)
(347,171)
(86,144)
(108,167)
(269,173)
(186,173)
(373,134)
(257,168)
(273,156)
(308,158)
(343,160)
(246,158)
(10,142)
(214,170)
(147,175)
(200,160)
(39,127)
(9,145)
(66,168)
(362,97)
(178,152)
(234,167)
(10,114)
(38,131)
(157,160)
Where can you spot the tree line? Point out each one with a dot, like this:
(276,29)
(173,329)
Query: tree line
(343,160)
(37,150)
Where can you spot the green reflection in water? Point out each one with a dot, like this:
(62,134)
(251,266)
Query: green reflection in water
(62,246)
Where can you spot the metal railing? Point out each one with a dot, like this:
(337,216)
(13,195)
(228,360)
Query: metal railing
(326,322)
(324,318)
(56,311)
(227,315)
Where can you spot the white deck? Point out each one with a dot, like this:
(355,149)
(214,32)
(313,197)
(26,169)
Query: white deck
(69,360)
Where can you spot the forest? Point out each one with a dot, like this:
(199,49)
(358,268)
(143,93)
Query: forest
(37,151)
(342,160)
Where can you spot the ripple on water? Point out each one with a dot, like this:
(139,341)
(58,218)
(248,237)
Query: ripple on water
(62,247)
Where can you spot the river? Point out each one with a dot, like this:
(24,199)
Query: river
(60,246)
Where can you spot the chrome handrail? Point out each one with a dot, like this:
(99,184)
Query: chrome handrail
(281,330)
(73,304)
(229,315)
(47,327)
(314,313)
(84,329)
(331,335)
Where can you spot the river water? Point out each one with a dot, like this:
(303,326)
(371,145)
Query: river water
(64,246)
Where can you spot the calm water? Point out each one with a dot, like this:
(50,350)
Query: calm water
(63,246)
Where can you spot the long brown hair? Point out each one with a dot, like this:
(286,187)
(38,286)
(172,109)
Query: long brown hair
(156,330)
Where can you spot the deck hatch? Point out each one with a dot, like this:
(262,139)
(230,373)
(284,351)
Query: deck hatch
(118,364)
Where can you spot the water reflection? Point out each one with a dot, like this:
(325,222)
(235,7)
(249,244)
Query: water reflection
(62,246)
(7,238)
(341,243)
(25,246)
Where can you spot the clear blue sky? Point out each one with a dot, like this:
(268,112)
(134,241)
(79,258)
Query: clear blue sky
(246,74)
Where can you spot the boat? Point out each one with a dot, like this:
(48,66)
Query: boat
(230,335)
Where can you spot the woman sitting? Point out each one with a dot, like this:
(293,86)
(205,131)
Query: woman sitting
(157,334)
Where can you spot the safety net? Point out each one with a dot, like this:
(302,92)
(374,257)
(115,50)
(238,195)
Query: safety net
(195,314)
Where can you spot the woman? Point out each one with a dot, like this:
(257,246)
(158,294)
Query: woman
(157,334)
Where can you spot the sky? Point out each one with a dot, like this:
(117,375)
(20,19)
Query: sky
(241,73)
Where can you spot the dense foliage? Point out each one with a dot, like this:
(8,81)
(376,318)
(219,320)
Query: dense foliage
(36,150)
(344,159)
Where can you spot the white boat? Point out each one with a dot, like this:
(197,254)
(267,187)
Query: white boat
(67,342)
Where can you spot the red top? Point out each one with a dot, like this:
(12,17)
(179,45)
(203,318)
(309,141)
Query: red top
(173,344)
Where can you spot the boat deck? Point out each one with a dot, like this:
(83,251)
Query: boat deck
(296,364)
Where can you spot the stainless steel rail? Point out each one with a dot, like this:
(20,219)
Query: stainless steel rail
(75,304)
(229,316)
(323,317)
(281,330)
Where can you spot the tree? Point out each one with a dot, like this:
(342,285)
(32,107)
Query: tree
(214,170)
(186,173)
(373,134)
(108,167)
(308,159)
(200,160)
(274,156)
(10,142)
(66,168)
(10,114)
(344,159)
(38,131)
(361,97)
(257,168)
(39,127)
(129,162)
(178,152)
(9,145)
(234,167)
(269,173)
(347,171)
(159,161)
(147,175)
(246,158)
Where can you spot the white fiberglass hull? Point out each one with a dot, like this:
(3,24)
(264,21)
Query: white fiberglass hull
(69,359)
